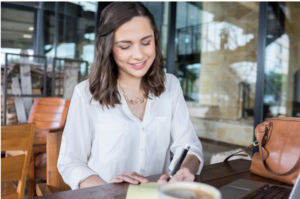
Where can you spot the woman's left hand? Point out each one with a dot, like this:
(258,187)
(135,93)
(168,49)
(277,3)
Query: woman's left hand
(182,174)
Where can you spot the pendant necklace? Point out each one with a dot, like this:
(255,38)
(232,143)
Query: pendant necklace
(130,102)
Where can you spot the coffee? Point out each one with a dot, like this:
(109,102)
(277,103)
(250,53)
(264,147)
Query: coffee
(188,190)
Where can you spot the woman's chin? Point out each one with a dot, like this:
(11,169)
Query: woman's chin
(136,73)
(139,74)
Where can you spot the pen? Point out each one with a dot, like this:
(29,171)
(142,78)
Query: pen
(180,160)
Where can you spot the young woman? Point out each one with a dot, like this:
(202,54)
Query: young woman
(124,121)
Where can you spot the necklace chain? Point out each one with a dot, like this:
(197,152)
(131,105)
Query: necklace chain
(130,102)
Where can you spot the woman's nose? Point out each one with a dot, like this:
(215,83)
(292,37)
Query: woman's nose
(137,53)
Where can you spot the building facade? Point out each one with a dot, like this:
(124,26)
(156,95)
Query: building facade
(238,62)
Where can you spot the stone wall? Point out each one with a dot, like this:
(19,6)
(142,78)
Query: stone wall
(228,57)
(236,132)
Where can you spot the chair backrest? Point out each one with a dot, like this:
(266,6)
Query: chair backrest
(54,179)
(15,168)
(49,113)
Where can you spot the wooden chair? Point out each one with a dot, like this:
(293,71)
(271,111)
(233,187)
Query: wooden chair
(50,115)
(15,168)
(55,182)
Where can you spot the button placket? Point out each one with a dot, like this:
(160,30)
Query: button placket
(142,172)
(142,151)
(143,137)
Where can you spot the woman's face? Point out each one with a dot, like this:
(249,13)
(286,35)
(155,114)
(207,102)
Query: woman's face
(134,47)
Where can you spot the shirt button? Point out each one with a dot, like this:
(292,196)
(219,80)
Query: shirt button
(143,129)
(142,149)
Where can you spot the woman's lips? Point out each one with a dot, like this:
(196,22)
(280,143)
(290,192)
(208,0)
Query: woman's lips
(140,66)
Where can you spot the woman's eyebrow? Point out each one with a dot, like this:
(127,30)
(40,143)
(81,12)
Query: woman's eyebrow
(146,37)
(125,41)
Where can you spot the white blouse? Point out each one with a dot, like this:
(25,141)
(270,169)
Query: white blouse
(107,142)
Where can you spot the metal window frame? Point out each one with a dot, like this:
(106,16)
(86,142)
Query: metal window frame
(56,28)
(22,95)
(170,65)
(54,67)
(39,27)
(260,77)
(19,6)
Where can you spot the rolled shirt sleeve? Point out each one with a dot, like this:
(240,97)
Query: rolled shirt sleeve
(182,130)
(76,143)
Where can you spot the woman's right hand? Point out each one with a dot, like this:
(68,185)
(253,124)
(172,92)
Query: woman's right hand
(130,177)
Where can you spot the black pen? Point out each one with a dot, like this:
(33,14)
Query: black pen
(180,160)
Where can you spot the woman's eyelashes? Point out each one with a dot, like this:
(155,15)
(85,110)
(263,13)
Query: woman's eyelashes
(144,44)
(124,48)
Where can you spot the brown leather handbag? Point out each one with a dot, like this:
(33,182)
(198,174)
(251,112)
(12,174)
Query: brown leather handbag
(279,150)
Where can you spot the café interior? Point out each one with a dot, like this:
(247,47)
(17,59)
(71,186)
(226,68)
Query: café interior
(238,64)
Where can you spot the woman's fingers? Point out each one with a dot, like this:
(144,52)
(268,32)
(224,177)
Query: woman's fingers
(116,180)
(189,178)
(187,175)
(163,179)
(130,177)
(183,174)
(123,178)
(126,178)
(177,177)
(138,177)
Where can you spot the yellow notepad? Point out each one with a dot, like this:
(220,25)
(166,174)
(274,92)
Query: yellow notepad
(143,191)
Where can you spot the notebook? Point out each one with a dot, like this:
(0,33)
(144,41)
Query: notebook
(143,191)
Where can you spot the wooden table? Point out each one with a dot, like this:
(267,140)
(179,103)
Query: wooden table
(216,175)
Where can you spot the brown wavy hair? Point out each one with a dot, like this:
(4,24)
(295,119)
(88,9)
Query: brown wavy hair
(104,71)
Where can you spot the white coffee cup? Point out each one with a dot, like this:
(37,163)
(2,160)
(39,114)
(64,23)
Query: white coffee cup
(188,190)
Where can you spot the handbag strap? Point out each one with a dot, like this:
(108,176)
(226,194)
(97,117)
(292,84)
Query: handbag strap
(264,140)
(245,155)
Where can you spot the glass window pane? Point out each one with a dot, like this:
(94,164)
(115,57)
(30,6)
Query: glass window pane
(76,30)
(75,40)
(17,32)
(215,48)
(282,65)
(160,12)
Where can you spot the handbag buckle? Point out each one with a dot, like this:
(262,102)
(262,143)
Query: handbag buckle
(254,144)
